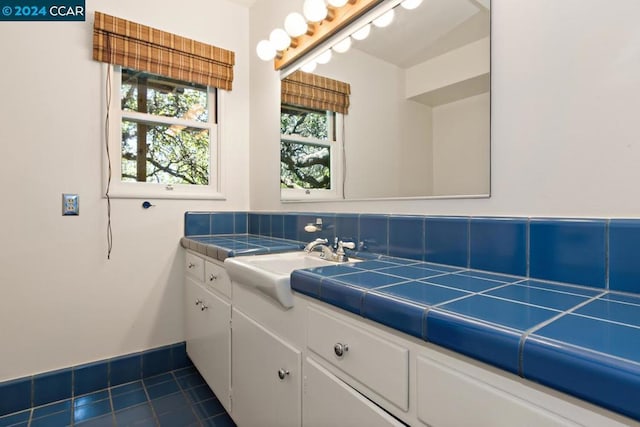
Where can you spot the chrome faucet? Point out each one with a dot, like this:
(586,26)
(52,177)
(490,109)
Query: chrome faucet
(312,245)
(322,244)
(327,253)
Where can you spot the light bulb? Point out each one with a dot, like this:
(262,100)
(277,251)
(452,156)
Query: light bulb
(410,4)
(314,10)
(324,57)
(279,39)
(337,3)
(295,24)
(309,67)
(362,33)
(265,50)
(384,20)
(343,45)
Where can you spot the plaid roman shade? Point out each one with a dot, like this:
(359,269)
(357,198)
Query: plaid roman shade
(121,42)
(314,91)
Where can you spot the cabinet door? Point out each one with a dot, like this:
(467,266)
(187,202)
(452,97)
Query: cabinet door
(327,401)
(447,397)
(209,338)
(265,376)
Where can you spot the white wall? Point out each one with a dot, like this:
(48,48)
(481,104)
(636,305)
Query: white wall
(449,69)
(61,301)
(565,100)
(379,116)
(461,146)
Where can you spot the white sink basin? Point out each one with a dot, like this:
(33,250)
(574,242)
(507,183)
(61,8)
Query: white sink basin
(271,273)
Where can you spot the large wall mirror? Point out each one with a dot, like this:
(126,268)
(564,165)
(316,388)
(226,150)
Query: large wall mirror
(418,121)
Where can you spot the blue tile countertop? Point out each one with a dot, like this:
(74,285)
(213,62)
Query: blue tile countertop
(580,340)
(221,247)
(577,339)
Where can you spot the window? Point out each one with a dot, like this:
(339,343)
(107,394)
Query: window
(310,153)
(164,134)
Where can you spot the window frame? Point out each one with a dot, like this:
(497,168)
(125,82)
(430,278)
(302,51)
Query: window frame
(336,148)
(138,190)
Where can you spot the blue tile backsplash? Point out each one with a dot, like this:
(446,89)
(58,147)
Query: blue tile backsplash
(499,244)
(374,234)
(570,251)
(406,237)
(624,236)
(589,252)
(447,241)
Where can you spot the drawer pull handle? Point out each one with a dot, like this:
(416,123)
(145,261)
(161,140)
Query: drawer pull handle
(191,265)
(282,374)
(340,349)
(204,307)
(198,301)
(213,277)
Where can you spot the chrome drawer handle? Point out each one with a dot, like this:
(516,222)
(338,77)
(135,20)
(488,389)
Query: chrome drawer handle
(191,265)
(198,301)
(204,307)
(340,349)
(212,278)
(282,374)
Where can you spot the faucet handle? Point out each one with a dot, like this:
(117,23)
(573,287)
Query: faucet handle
(347,245)
(340,251)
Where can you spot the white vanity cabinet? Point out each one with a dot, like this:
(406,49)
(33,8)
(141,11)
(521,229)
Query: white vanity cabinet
(328,401)
(313,364)
(459,399)
(207,329)
(266,373)
(452,392)
(385,376)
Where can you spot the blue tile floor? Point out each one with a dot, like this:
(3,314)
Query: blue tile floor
(178,398)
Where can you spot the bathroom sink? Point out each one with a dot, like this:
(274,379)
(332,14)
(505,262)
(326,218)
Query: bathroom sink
(271,273)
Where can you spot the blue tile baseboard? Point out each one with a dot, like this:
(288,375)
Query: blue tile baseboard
(596,252)
(179,397)
(36,390)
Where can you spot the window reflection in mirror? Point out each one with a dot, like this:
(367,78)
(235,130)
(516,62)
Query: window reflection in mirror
(308,144)
(418,124)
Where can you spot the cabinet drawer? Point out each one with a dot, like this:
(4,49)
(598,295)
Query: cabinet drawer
(378,364)
(447,397)
(216,277)
(194,266)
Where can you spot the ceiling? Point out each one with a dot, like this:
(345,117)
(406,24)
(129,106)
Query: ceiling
(434,28)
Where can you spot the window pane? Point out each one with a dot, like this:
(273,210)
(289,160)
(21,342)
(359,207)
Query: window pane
(304,166)
(167,154)
(307,123)
(146,93)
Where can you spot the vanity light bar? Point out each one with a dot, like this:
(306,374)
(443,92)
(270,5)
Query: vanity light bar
(322,31)
(291,61)
(313,40)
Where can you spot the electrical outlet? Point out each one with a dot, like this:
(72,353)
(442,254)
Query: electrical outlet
(70,204)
